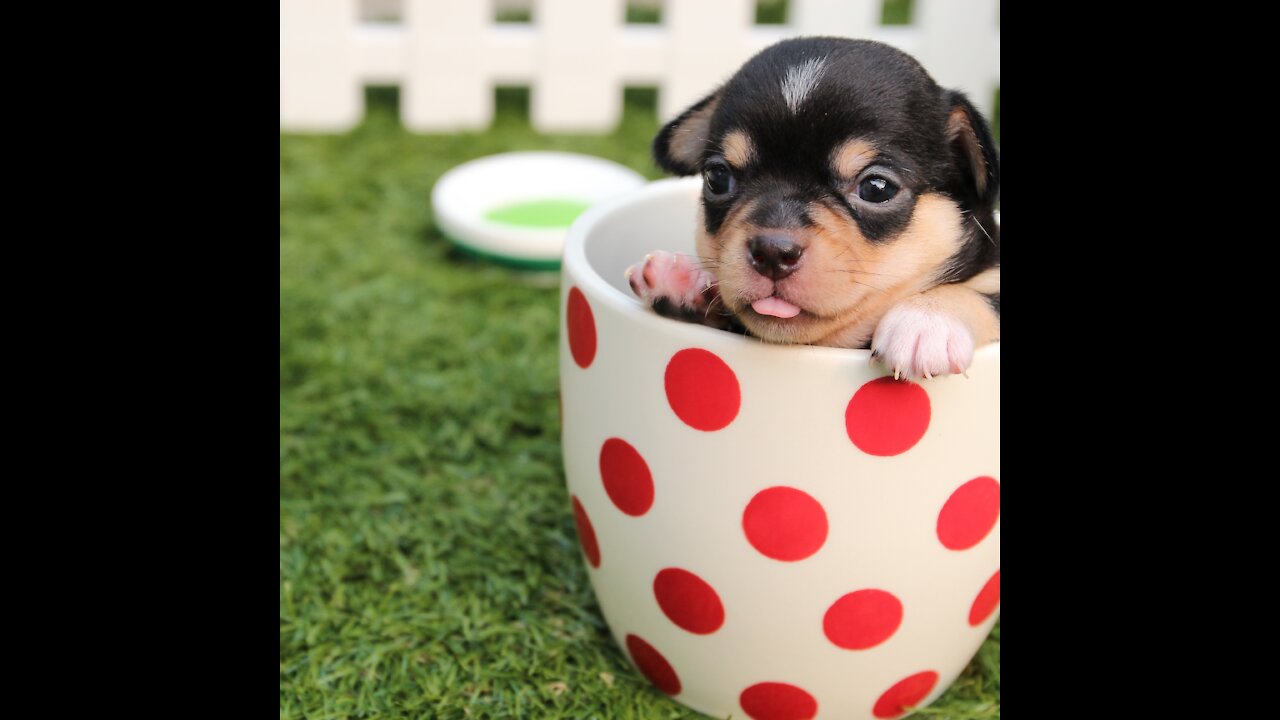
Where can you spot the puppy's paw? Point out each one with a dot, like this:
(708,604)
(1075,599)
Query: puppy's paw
(672,284)
(922,342)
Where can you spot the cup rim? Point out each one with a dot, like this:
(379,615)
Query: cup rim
(580,272)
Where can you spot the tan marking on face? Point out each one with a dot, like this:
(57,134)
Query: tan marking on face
(690,138)
(986,282)
(731,234)
(851,157)
(960,130)
(845,284)
(738,149)
(903,266)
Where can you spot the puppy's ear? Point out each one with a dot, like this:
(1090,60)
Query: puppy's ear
(974,150)
(678,147)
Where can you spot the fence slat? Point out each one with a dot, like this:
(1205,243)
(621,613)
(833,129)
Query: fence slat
(381,54)
(959,46)
(577,86)
(512,52)
(706,41)
(449,82)
(318,89)
(447,55)
(849,18)
(641,54)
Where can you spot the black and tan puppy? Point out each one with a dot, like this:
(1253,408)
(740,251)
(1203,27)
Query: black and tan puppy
(847,201)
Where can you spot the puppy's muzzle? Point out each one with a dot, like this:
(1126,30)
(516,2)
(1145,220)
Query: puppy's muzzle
(774,256)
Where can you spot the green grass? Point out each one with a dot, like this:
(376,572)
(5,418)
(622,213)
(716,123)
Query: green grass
(643,14)
(772,12)
(428,561)
(520,15)
(896,12)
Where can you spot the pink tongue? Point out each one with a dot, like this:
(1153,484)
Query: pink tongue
(776,307)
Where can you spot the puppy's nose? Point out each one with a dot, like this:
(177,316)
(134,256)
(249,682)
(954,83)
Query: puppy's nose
(774,256)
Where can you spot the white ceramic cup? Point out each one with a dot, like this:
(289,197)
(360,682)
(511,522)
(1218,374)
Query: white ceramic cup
(771,531)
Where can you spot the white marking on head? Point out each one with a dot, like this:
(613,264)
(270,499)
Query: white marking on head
(800,81)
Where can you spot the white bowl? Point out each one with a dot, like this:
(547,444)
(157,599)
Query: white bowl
(464,195)
(771,531)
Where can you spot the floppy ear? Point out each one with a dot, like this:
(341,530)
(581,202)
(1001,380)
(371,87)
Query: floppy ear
(974,150)
(678,147)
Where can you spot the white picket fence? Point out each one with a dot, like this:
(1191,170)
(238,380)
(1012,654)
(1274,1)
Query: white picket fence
(578,55)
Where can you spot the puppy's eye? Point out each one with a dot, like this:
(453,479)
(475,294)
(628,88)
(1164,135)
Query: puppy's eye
(719,179)
(876,189)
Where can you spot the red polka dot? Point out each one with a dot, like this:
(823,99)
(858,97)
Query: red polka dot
(887,416)
(582,328)
(626,477)
(688,601)
(969,514)
(586,533)
(653,665)
(785,524)
(702,389)
(986,602)
(862,619)
(777,701)
(908,693)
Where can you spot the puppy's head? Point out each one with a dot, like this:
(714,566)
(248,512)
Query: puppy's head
(837,178)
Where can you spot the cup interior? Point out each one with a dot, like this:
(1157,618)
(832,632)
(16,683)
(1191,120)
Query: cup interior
(626,231)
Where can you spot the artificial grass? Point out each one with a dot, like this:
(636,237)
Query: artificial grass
(429,565)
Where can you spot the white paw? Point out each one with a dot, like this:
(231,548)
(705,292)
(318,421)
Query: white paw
(916,342)
(671,277)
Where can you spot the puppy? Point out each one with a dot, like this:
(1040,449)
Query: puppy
(847,200)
